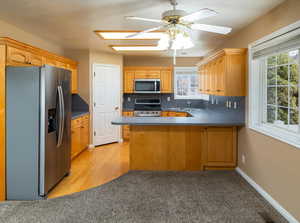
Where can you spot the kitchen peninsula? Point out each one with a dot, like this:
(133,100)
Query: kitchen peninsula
(206,140)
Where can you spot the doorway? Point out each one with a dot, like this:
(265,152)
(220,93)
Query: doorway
(106,103)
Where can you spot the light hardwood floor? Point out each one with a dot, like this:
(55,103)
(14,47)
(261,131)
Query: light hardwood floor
(94,167)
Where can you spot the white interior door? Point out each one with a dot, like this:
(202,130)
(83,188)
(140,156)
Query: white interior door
(106,96)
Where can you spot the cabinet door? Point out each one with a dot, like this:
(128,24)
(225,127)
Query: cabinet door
(125,128)
(153,74)
(36,60)
(84,135)
(213,77)
(166,81)
(17,56)
(220,78)
(221,147)
(75,141)
(140,74)
(128,81)
(207,78)
(74,80)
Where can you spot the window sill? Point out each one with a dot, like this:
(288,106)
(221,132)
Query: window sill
(279,134)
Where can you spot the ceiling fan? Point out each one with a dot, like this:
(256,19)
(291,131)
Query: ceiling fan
(179,25)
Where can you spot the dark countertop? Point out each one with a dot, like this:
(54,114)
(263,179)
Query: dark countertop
(202,117)
(78,114)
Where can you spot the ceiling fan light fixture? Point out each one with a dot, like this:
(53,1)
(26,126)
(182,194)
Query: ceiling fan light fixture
(181,42)
(164,42)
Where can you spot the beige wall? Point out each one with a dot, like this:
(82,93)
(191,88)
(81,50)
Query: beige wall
(159,61)
(8,30)
(106,58)
(83,59)
(272,164)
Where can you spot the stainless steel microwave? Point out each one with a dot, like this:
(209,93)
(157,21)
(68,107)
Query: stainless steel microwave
(147,86)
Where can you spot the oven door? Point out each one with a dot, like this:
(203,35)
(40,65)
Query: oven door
(147,86)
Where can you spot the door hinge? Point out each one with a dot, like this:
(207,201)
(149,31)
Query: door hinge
(94,104)
(95,133)
(94,74)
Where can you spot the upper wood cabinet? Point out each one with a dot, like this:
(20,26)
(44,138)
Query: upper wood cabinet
(74,80)
(166,79)
(128,81)
(36,60)
(224,73)
(21,54)
(17,56)
(165,75)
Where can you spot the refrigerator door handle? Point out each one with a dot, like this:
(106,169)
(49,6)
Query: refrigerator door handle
(60,117)
(63,114)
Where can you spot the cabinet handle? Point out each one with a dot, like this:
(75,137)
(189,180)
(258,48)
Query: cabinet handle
(218,90)
(207,90)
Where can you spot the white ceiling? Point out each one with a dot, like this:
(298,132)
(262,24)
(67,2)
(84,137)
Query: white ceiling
(71,22)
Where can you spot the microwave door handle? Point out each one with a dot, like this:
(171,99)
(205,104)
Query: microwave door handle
(155,85)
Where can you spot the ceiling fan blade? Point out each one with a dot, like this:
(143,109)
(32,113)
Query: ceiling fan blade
(144,19)
(201,14)
(145,31)
(211,28)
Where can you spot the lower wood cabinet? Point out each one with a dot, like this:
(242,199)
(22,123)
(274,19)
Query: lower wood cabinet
(80,135)
(221,148)
(165,147)
(125,128)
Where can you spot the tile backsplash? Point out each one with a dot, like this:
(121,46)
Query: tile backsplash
(168,101)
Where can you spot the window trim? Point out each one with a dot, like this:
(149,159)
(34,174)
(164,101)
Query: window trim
(255,112)
(177,97)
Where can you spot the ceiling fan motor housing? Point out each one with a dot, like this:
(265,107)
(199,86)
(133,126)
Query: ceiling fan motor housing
(173,16)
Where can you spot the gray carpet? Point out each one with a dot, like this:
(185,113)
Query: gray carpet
(142,196)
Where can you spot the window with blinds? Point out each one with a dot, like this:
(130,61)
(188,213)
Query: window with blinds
(274,86)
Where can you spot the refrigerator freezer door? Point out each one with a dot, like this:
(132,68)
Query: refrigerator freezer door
(22,132)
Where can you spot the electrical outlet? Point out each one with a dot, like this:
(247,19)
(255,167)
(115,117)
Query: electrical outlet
(243,159)
(169,98)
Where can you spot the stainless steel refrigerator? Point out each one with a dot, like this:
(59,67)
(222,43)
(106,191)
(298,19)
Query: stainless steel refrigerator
(38,124)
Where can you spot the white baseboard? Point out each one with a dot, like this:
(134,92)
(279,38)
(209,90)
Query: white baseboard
(91,146)
(268,197)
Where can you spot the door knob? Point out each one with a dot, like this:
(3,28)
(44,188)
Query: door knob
(116,108)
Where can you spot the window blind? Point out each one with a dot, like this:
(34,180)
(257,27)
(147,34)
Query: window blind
(278,44)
